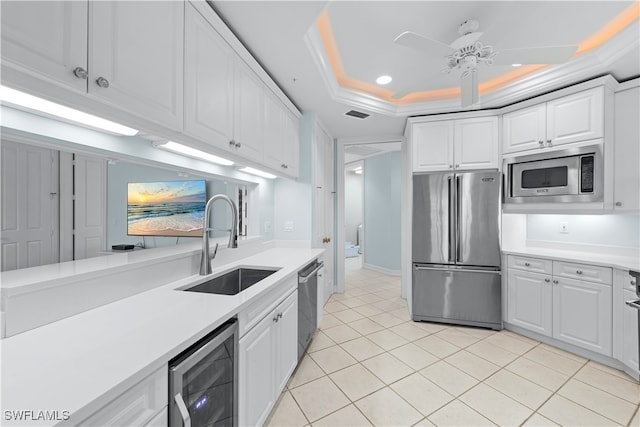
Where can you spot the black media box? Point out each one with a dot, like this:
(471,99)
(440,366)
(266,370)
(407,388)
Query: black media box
(122,247)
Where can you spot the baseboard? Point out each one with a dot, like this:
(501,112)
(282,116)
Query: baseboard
(381,269)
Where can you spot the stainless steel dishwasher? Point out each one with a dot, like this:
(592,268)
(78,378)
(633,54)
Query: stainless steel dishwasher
(203,381)
(635,281)
(307,304)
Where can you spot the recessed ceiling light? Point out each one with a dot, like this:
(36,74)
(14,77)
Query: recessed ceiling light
(516,65)
(193,152)
(383,80)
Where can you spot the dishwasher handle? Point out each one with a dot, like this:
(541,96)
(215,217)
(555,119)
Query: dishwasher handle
(184,412)
(305,278)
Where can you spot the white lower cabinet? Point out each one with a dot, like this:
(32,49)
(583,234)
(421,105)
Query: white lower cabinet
(574,310)
(268,354)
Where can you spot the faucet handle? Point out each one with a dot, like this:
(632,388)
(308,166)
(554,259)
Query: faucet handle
(215,251)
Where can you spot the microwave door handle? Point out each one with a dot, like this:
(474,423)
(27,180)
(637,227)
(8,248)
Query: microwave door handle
(184,413)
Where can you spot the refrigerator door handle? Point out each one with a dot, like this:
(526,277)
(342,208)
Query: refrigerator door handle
(451,232)
(458,222)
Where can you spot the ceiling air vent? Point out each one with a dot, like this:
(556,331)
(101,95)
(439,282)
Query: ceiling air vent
(358,114)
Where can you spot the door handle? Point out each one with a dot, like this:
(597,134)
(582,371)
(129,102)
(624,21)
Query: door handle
(634,303)
(458,222)
(186,418)
(451,218)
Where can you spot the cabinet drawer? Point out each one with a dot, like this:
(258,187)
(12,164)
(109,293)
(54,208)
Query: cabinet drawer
(250,316)
(535,265)
(588,273)
(136,406)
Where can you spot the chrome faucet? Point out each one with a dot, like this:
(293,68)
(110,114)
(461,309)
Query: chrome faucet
(205,257)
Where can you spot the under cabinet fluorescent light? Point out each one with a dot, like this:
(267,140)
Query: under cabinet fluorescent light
(193,152)
(15,97)
(258,172)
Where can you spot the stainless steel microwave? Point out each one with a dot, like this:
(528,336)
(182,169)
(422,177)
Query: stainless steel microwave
(566,176)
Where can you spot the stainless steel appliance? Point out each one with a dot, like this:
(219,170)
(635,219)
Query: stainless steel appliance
(203,381)
(307,304)
(635,278)
(570,175)
(456,248)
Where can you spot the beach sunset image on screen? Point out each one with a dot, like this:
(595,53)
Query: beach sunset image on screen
(167,208)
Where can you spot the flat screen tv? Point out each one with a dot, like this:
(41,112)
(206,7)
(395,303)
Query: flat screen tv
(166,208)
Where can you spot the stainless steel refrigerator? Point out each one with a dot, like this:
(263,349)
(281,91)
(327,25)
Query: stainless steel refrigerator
(456,248)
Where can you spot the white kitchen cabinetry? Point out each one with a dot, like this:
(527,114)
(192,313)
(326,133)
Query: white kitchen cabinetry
(248,120)
(569,302)
(625,347)
(573,118)
(455,144)
(95,48)
(281,150)
(268,354)
(627,150)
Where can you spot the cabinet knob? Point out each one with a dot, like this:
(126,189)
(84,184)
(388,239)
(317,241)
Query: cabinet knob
(541,142)
(549,142)
(238,145)
(555,282)
(633,282)
(280,315)
(80,73)
(284,166)
(450,166)
(232,143)
(102,82)
(526,264)
(547,280)
(275,318)
(578,272)
(618,203)
(457,166)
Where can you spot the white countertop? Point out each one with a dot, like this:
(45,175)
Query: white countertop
(80,363)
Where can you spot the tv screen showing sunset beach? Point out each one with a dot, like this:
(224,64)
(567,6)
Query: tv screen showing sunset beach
(168,208)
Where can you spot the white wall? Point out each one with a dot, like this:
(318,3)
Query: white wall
(292,219)
(353,216)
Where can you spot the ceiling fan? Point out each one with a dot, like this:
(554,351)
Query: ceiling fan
(465,53)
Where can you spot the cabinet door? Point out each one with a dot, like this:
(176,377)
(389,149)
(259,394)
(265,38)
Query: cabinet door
(286,346)
(627,151)
(47,39)
(256,373)
(432,145)
(291,147)
(630,332)
(574,118)
(273,133)
(476,143)
(208,85)
(582,314)
(248,121)
(323,202)
(524,129)
(137,46)
(529,298)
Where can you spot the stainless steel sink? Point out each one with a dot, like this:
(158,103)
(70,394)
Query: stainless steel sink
(232,282)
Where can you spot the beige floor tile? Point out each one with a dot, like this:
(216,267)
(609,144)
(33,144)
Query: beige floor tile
(494,405)
(472,364)
(556,361)
(537,420)
(603,403)
(524,391)
(635,421)
(387,339)
(541,375)
(319,398)
(371,298)
(319,342)
(437,346)
(353,302)
(362,348)
(385,319)
(388,305)
(431,327)
(457,338)
(368,310)
(612,371)
(421,393)
(424,423)
(565,412)
(329,321)
(387,368)
(356,381)
(448,377)
(386,408)
(366,326)
(334,306)
(414,356)
(349,416)
(561,352)
(356,292)
(492,353)
(307,371)
(341,333)
(409,331)
(402,314)
(508,342)
(348,316)
(458,414)
(476,332)
(527,340)
(286,412)
(612,384)
(333,359)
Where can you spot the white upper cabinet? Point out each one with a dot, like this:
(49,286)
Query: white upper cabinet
(455,144)
(208,82)
(136,57)
(47,39)
(573,118)
(248,117)
(281,140)
(291,148)
(627,151)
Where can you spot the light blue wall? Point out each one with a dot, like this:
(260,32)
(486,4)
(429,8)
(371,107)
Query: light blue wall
(606,230)
(382,211)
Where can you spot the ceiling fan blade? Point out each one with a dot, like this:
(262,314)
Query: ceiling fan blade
(535,55)
(469,89)
(416,41)
(466,40)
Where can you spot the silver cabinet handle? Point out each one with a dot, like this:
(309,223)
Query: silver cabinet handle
(284,166)
(238,145)
(578,272)
(457,166)
(618,203)
(102,82)
(526,264)
(232,143)
(555,282)
(275,318)
(549,142)
(547,280)
(186,418)
(541,142)
(80,73)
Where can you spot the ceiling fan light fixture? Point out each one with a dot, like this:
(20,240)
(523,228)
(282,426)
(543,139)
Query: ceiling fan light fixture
(383,80)
(516,65)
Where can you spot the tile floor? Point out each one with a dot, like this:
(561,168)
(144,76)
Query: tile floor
(369,364)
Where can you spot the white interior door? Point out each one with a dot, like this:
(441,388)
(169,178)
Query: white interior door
(323,235)
(29,206)
(89,206)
